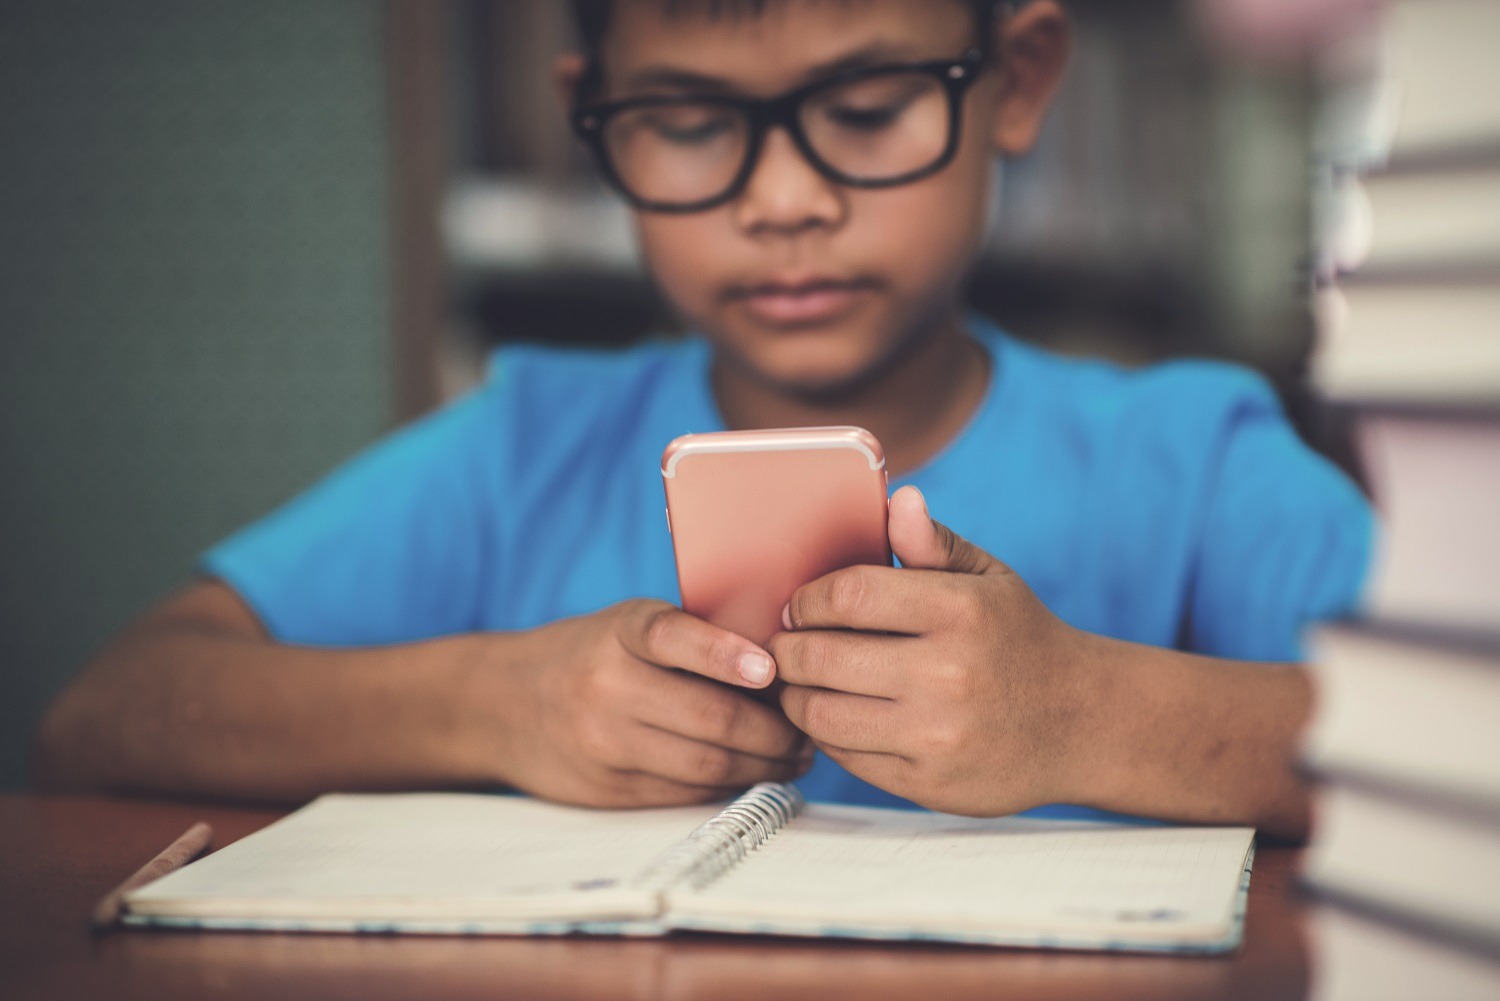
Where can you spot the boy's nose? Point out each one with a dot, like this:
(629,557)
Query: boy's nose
(785,194)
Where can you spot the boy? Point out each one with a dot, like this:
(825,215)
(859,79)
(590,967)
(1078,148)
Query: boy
(484,599)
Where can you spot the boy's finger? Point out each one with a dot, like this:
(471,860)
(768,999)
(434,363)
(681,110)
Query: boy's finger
(856,722)
(692,762)
(871,599)
(669,637)
(855,662)
(700,710)
(924,544)
(638,789)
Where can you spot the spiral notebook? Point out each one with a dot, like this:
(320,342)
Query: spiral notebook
(767,863)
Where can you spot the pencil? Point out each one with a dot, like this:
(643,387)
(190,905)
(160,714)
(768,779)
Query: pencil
(193,842)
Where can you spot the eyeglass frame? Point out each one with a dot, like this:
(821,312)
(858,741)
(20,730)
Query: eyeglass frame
(763,113)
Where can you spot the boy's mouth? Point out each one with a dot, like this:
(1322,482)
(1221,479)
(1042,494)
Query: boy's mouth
(797,302)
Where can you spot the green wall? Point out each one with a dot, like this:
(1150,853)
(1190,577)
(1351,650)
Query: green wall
(193,297)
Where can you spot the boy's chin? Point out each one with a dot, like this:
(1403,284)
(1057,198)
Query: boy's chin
(819,367)
(817,383)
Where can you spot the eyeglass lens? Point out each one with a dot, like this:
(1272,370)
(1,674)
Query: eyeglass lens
(871,129)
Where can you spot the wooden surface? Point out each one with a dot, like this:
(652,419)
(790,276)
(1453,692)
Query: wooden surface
(59,855)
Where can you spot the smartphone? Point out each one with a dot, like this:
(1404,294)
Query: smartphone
(754,515)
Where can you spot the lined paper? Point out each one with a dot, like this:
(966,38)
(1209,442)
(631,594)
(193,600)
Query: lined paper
(437,848)
(928,871)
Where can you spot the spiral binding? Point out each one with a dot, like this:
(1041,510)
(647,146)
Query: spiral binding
(720,843)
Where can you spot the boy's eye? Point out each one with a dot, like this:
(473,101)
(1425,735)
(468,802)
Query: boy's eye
(688,126)
(872,105)
(865,119)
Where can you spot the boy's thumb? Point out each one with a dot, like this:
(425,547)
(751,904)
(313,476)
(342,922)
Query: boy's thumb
(923,544)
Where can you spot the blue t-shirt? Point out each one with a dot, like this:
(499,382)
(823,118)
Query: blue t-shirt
(1173,506)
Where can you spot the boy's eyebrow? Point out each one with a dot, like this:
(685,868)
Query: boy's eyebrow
(676,78)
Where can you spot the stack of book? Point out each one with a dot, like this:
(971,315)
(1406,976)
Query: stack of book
(1405,859)
(1411,306)
(1405,742)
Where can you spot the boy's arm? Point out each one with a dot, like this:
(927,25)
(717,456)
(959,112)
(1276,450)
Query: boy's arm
(197,699)
(985,703)
(1195,739)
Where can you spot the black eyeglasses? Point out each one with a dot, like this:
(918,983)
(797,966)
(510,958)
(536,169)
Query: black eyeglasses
(873,127)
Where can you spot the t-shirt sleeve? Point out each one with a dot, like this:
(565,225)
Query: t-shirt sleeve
(1286,539)
(389,548)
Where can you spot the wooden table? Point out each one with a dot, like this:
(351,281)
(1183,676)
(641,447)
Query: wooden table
(58,855)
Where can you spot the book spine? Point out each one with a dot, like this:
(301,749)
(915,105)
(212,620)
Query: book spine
(722,842)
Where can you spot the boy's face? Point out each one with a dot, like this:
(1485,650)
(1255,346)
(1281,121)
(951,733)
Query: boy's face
(806,285)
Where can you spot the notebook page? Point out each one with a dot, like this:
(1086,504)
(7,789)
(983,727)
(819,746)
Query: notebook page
(1009,878)
(424,853)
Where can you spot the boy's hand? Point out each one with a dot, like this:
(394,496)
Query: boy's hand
(601,718)
(946,681)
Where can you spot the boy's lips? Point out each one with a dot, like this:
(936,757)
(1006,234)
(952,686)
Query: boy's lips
(800,301)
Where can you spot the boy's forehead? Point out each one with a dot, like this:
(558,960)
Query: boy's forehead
(769,44)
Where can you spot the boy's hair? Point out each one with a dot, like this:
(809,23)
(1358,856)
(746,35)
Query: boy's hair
(592,16)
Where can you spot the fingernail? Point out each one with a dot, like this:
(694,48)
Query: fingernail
(786,616)
(755,667)
(922,498)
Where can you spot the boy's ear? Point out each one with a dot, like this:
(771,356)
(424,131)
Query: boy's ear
(1033,45)
(566,73)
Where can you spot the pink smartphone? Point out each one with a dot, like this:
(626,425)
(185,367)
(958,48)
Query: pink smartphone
(754,515)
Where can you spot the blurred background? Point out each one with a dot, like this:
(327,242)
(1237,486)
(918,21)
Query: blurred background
(239,241)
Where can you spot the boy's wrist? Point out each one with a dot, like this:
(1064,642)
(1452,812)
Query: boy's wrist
(483,692)
(1090,748)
